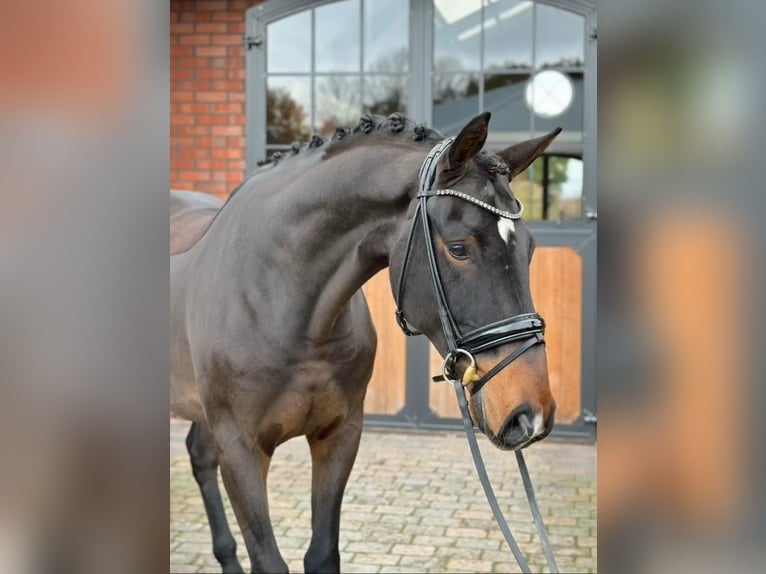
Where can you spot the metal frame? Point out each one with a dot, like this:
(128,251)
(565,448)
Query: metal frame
(579,235)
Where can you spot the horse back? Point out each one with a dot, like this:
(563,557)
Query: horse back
(191,213)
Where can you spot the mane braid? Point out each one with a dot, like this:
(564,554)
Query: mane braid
(393,124)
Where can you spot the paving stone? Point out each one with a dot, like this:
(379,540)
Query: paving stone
(413,549)
(413,504)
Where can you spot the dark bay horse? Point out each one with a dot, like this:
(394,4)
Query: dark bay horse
(271,337)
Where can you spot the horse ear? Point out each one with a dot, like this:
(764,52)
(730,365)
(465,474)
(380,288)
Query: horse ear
(468,143)
(520,156)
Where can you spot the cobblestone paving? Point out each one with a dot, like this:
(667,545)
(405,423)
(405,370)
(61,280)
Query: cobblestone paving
(413,504)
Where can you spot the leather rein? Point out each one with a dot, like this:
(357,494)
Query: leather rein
(527,327)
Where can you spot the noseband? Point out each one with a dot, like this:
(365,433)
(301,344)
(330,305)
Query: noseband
(528,327)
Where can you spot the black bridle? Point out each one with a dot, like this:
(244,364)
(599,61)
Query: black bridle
(527,327)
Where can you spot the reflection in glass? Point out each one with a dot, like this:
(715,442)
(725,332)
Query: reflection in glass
(456,101)
(570,120)
(530,194)
(337,37)
(385,95)
(457,35)
(504,97)
(337,103)
(288,109)
(289,44)
(549,93)
(507,34)
(551,189)
(386,35)
(559,38)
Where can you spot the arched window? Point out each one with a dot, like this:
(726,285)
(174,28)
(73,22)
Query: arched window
(320,64)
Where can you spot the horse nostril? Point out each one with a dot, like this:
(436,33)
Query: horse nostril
(526,424)
(518,427)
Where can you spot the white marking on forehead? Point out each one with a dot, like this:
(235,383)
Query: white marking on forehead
(538,424)
(505,227)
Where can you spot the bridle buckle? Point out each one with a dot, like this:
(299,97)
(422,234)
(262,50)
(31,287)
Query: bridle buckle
(450,361)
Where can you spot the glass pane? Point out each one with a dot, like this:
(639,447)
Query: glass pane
(557,101)
(508,34)
(559,38)
(457,35)
(552,192)
(385,95)
(456,101)
(530,193)
(504,97)
(337,37)
(289,44)
(386,35)
(288,109)
(337,103)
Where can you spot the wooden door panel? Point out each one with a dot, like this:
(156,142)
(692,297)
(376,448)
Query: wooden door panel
(556,284)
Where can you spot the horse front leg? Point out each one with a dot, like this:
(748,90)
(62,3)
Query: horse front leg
(204,461)
(332,458)
(244,467)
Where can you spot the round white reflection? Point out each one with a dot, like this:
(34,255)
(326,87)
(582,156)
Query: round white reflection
(549,93)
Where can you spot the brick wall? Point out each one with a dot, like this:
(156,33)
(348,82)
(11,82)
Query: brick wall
(207,95)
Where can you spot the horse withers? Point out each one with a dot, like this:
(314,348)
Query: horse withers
(271,337)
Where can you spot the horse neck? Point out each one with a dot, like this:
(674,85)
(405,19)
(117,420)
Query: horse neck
(319,237)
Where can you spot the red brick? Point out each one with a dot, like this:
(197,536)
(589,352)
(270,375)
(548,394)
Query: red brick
(218,63)
(237,120)
(240,4)
(230,153)
(193,153)
(193,63)
(229,85)
(193,130)
(211,28)
(195,17)
(235,63)
(211,6)
(182,143)
(179,96)
(227,40)
(227,130)
(218,164)
(181,119)
(233,176)
(237,74)
(194,86)
(238,164)
(211,75)
(219,142)
(212,120)
(228,17)
(193,108)
(181,164)
(177,74)
(210,51)
(236,96)
(237,142)
(181,28)
(210,97)
(236,51)
(181,51)
(195,40)
(204,142)
(227,108)
(194,176)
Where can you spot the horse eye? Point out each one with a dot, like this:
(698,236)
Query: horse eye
(458,250)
